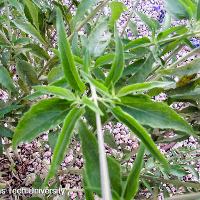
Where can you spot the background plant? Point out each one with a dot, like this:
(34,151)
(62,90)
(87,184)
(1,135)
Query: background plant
(96,78)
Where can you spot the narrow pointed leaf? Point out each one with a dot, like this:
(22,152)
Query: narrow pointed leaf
(98,39)
(33,10)
(175,29)
(189,196)
(88,102)
(118,63)
(63,141)
(140,132)
(139,42)
(8,109)
(152,24)
(198,10)
(5,79)
(29,29)
(67,59)
(5,132)
(91,155)
(186,70)
(58,91)
(42,116)
(132,183)
(82,9)
(189,95)
(140,87)
(3,39)
(26,72)
(117,8)
(99,85)
(154,114)
(144,70)
(38,51)
(176,9)
(105,59)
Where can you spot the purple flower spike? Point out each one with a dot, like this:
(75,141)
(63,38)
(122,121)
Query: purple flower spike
(156,8)
(195,42)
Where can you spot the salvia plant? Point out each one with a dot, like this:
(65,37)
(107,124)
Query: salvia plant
(73,84)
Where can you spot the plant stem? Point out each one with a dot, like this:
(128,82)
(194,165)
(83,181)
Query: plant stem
(94,12)
(105,182)
(130,16)
(191,53)
(189,196)
(170,181)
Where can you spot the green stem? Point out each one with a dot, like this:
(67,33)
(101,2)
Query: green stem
(97,9)
(105,182)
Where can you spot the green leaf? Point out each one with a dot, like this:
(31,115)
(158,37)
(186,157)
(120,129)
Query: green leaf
(132,183)
(176,29)
(152,24)
(3,39)
(57,91)
(98,40)
(103,60)
(101,88)
(17,5)
(91,156)
(139,42)
(33,10)
(91,116)
(42,116)
(177,170)
(38,51)
(154,114)
(133,67)
(28,28)
(82,9)
(117,8)
(189,6)
(55,74)
(63,141)
(144,70)
(189,95)
(88,194)
(141,87)
(188,196)
(176,9)
(140,132)
(118,62)
(52,139)
(171,46)
(27,73)
(110,140)
(198,10)
(86,61)
(67,59)
(88,102)
(189,69)
(8,109)
(5,79)
(133,26)
(5,132)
